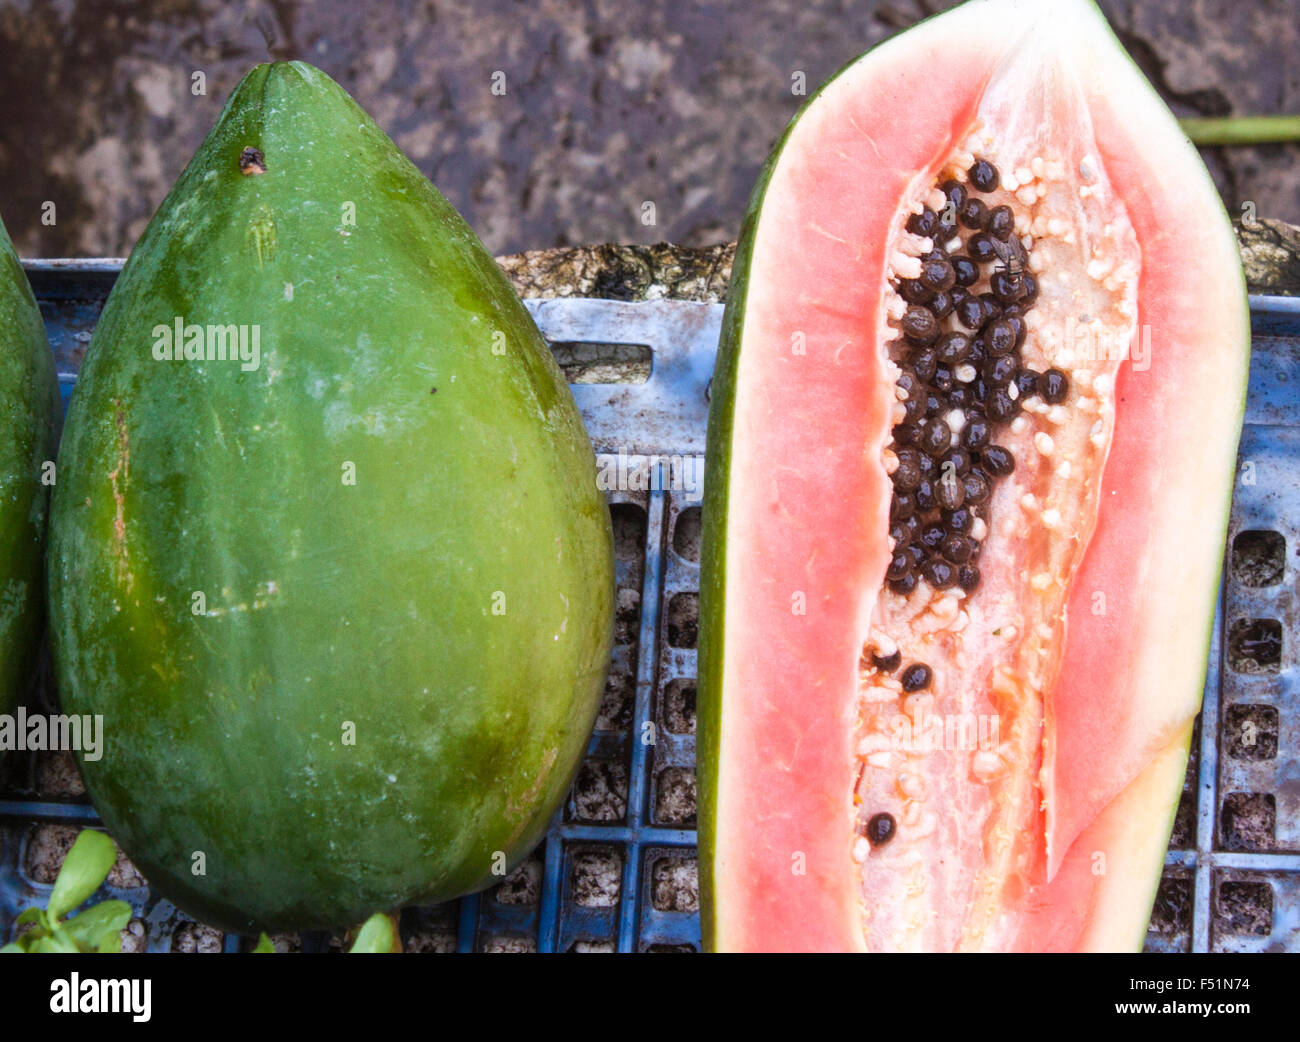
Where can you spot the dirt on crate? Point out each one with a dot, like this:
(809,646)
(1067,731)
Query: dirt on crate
(135,938)
(593,947)
(509,945)
(1255,645)
(1259,557)
(1248,821)
(627,618)
(675,797)
(600,792)
(1171,914)
(47,846)
(683,620)
(628,521)
(601,363)
(57,776)
(523,886)
(197,939)
(442,942)
(429,929)
(596,876)
(618,701)
(679,707)
(1244,906)
(675,885)
(1250,732)
(687,533)
(621,272)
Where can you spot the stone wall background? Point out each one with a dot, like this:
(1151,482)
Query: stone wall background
(608,104)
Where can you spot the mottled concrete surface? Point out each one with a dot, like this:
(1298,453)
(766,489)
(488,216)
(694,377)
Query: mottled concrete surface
(608,104)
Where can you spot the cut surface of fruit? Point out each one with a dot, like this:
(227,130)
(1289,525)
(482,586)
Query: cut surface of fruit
(971,450)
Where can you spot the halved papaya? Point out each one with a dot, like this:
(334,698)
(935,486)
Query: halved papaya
(971,451)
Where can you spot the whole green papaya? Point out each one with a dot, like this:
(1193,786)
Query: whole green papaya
(29,402)
(327,549)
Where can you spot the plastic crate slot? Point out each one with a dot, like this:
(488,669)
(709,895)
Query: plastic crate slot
(600,792)
(675,797)
(595,876)
(684,620)
(1258,557)
(675,884)
(687,532)
(679,706)
(1248,821)
(594,362)
(1251,732)
(1245,907)
(1255,645)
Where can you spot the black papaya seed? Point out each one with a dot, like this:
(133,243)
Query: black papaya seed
(905,585)
(908,474)
(880,829)
(937,274)
(938,573)
(984,175)
(974,215)
(981,247)
(997,461)
(1002,222)
(965,271)
(916,677)
(924,223)
(899,565)
(887,663)
(920,326)
(1054,386)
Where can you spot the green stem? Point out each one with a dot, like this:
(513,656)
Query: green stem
(1242,130)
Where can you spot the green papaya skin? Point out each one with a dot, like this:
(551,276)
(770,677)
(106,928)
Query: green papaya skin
(29,405)
(347,614)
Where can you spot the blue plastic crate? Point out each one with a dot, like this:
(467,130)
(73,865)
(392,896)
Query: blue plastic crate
(617,869)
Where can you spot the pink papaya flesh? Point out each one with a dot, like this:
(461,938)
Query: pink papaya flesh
(971,451)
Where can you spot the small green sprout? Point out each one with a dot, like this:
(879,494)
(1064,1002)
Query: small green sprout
(376,936)
(99,927)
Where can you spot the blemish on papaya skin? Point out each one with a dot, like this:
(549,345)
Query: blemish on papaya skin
(522,807)
(252,162)
(262,234)
(118,478)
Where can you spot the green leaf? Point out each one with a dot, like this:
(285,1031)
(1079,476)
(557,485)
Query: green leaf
(264,946)
(35,914)
(99,923)
(58,943)
(86,866)
(111,944)
(12,949)
(377,936)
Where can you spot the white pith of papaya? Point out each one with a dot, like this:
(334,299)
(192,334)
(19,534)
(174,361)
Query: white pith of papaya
(755,818)
(995,652)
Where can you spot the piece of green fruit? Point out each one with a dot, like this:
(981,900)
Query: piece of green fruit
(29,400)
(345,602)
